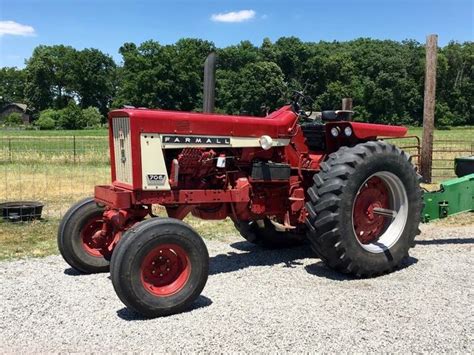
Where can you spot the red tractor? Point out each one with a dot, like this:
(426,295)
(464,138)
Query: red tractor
(281,179)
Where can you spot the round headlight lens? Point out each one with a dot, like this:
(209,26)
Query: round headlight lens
(335,131)
(348,131)
(266,142)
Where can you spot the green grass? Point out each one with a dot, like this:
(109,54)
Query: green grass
(454,133)
(38,238)
(28,239)
(99,132)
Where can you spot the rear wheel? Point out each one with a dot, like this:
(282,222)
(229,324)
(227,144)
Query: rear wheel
(160,267)
(266,235)
(365,209)
(76,238)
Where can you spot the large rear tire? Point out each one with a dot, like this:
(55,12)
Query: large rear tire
(159,267)
(75,233)
(364,209)
(267,236)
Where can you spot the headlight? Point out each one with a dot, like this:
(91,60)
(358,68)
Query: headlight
(266,142)
(348,131)
(335,131)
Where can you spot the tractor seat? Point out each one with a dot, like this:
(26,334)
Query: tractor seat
(315,134)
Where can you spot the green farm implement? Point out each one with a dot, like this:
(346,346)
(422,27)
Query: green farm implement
(454,196)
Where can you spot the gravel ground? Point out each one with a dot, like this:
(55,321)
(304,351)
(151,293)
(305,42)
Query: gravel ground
(255,300)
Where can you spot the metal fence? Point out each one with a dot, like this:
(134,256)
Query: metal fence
(54,170)
(61,170)
(444,152)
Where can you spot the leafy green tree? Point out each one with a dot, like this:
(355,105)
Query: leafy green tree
(92,117)
(254,89)
(93,79)
(71,117)
(12,85)
(168,77)
(384,78)
(13,119)
(50,72)
(48,119)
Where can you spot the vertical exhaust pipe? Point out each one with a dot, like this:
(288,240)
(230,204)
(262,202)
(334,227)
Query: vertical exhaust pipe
(209,83)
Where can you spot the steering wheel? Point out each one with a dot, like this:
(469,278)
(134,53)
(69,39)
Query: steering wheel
(298,99)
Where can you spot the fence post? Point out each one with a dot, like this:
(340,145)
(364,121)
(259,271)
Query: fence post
(429,107)
(74,147)
(10,149)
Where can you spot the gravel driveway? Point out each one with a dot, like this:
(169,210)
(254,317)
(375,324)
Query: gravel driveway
(255,300)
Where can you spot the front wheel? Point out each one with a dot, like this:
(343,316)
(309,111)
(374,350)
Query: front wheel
(76,238)
(159,267)
(365,209)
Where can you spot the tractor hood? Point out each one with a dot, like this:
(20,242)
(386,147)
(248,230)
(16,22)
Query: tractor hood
(277,124)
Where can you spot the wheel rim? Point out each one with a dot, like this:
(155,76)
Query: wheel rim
(92,226)
(165,270)
(380,212)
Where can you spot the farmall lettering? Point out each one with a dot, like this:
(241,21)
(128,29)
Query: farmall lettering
(196,140)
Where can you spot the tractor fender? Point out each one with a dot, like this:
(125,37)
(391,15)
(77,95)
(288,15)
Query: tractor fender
(371,130)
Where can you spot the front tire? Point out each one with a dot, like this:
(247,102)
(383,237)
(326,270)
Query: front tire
(364,209)
(159,267)
(75,233)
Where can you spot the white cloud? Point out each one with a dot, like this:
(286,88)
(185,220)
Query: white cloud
(234,16)
(15,29)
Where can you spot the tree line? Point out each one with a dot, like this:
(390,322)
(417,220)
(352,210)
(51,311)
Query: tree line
(384,78)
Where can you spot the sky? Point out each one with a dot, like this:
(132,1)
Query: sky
(107,24)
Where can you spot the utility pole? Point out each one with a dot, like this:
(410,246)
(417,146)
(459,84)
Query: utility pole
(429,107)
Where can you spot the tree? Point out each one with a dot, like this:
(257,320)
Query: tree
(384,78)
(252,90)
(48,119)
(50,72)
(92,117)
(168,77)
(71,117)
(93,79)
(13,119)
(12,85)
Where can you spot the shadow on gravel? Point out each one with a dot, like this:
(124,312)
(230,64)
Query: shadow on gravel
(256,256)
(446,241)
(73,272)
(129,315)
(320,269)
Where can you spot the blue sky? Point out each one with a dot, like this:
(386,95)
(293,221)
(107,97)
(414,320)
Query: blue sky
(107,24)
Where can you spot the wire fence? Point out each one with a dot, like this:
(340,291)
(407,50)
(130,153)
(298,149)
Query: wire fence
(58,171)
(444,153)
(54,170)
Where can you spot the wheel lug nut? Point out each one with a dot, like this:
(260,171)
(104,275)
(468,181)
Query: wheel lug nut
(168,269)
(161,257)
(153,272)
(161,275)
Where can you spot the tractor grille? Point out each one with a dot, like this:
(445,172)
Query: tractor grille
(122,149)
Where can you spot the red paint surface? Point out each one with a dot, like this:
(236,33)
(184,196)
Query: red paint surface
(371,130)
(165,270)
(367,225)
